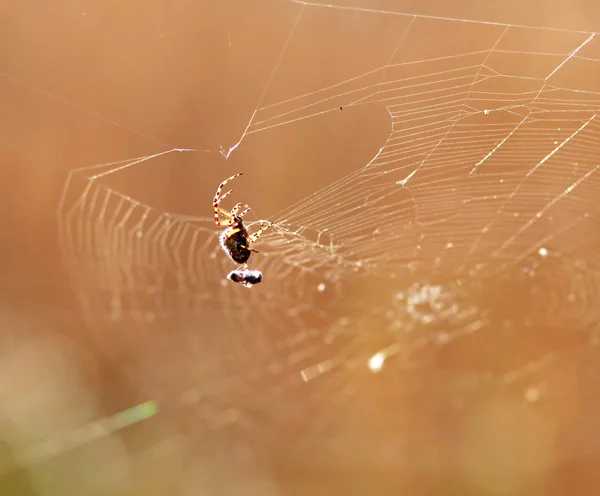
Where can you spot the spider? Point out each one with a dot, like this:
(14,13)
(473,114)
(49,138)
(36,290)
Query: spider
(235,240)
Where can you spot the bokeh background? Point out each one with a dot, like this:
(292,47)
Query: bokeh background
(428,322)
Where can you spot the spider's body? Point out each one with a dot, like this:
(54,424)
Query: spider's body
(235,240)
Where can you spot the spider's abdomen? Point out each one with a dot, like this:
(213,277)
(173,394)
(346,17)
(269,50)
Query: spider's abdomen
(235,245)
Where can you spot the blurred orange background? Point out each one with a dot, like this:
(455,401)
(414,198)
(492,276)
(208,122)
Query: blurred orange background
(489,381)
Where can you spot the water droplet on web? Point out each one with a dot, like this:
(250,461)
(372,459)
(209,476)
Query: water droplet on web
(543,252)
(321,287)
(376,362)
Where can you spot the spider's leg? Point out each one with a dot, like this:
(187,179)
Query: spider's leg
(245,211)
(218,209)
(227,222)
(217,200)
(253,237)
(235,209)
(233,231)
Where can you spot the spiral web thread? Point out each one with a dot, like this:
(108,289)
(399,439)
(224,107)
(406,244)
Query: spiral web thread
(490,167)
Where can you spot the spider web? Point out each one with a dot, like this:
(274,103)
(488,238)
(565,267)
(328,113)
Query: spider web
(458,261)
